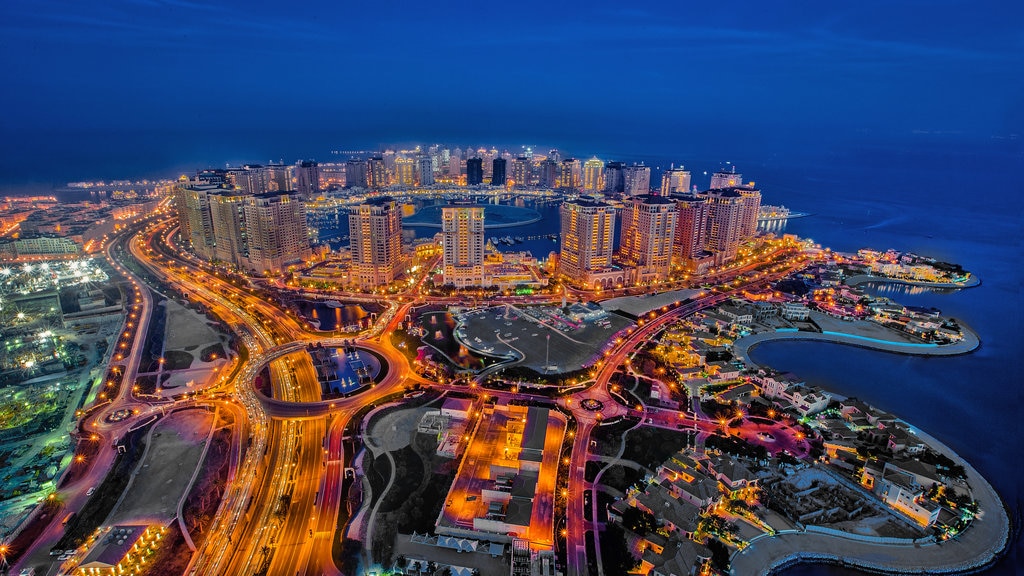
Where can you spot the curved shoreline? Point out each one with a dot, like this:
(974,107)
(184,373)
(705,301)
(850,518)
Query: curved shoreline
(741,347)
(867,278)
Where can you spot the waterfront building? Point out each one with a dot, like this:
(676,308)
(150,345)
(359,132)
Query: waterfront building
(726,179)
(375,239)
(636,180)
(614,177)
(276,232)
(462,229)
(549,173)
(588,234)
(675,180)
(376,173)
(498,172)
(593,174)
(648,232)
(474,171)
(521,172)
(425,170)
(724,225)
(751,209)
(355,174)
(691,228)
(569,174)
(405,170)
(305,179)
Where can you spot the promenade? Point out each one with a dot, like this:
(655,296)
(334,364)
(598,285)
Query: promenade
(860,333)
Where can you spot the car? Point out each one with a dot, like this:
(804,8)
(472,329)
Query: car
(90,491)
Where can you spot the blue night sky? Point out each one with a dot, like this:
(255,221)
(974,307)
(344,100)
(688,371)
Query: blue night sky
(133,88)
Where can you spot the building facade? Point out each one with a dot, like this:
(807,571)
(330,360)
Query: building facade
(648,234)
(375,239)
(462,229)
(588,235)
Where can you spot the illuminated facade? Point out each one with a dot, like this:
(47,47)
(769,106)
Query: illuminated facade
(588,234)
(691,229)
(192,201)
(724,226)
(569,173)
(675,180)
(593,175)
(231,244)
(726,179)
(276,231)
(636,180)
(648,231)
(462,228)
(405,172)
(375,239)
(521,172)
(376,173)
(424,171)
(751,209)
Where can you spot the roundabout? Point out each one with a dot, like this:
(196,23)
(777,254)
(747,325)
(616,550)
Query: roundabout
(591,404)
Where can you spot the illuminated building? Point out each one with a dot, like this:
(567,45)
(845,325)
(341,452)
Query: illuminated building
(614,177)
(405,169)
(498,172)
(424,171)
(691,228)
(276,231)
(123,550)
(751,209)
(251,178)
(724,226)
(724,179)
(474,171)
(376,173)
(548,174)
(588,234)
(455,163)
(593,175)
(375,239)
(675,180)
(569,174)
(355,174)
(521,172)
(192,201)
(306,179)
(636,180)
(462,229)
(648,231)
(229,231)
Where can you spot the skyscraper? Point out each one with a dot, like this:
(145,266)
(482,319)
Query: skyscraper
(462,228)
(376,173)
(637,180)
(425,170)
(375,238)
(548,174)
(675,180)
(570,174)
(498,172)
(227,215)
(593,175)
(724,224)
(614,177)
(751,209)
(474,171)
(521,172)
(726,179)
(307,179)
(192,200)
(405,171)
(648,232)
(691,226)
(355,174)
(455,164)
(588,234)
(276,230)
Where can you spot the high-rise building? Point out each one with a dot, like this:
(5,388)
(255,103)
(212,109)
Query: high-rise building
(474,171)
(250,178)
(691,226)
(521,172)
(675,181)
(548,174)
(636,180)
(724,225)
(588,235)
(405,171)
(227,215)
(614,177)
(192,200)
(425,170)
(462,228)
(276,231)
(376,173)
(455,164)
(751,209)
(498,172)
(554,155)
(279,177)
(570,174)
(648,232)
(375,238)
(355,174)
(593,175)
(726,179)
(306,179)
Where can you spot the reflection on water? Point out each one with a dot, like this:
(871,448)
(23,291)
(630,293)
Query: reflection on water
(772,226)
